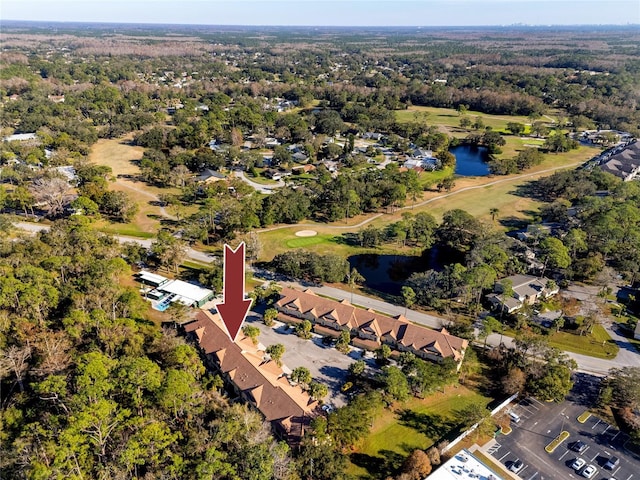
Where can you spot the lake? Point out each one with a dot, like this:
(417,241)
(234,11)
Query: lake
(471,161)
(387,273)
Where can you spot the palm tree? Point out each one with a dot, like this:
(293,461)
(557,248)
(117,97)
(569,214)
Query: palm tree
(493,211)
(354,277)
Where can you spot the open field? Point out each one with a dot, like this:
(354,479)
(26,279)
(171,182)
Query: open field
(449,117)
(118,154)
(598,344)
(412,424)
(122,157)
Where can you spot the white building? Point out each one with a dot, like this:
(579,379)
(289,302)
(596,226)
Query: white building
(464,466)
(163,291)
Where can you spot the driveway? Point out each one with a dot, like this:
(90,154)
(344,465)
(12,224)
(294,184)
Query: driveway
(268,189)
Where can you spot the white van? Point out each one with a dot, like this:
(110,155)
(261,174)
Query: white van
(514,416)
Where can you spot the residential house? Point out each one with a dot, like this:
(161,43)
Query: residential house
(625,164)
(21,137)
(209,176)
(255,378)
(370,329)
(299,157)
(372,136)
(527,290)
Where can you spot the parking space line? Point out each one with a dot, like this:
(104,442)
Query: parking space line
(595,424)
(595,456)
(533,476)
(564,455)
(617,470)
(529,411)
(535,400)
(504,455)
(629,477)
(614,437)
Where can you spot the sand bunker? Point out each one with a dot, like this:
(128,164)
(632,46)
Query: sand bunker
(306,233)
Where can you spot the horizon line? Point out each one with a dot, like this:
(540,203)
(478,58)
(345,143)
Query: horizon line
(497,25)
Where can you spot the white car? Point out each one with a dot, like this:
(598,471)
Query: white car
(578,463)
(589,471)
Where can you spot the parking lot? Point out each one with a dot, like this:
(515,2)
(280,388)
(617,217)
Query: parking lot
(326,364)
(541,422)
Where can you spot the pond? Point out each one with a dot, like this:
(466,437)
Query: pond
(471,161)
(387,273)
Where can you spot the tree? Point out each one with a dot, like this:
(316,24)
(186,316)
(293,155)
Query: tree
(477,413)
(516,128)
(447,183)
(85,206)
(395,383)
(416,466)
(357,368)
(169,250)
(383,353)
(625,386)
(408,297)
(253,333)
(118,205)
(342,345)
(489,326)
(269,317)
(465,122)
(554,254)
(318,390)
(15,360)
(52,191)
(493,211)
(275,352)
(354,278)
(303,329)
(459,231)
(478,123)
(514,381)
(301,375)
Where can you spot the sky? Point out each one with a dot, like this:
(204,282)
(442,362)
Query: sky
(329,12)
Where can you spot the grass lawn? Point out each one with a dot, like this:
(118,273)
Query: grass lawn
(449,117)
(413,424)
(598,344)
(122,157)
(118,153)
(126,229)
(307,241)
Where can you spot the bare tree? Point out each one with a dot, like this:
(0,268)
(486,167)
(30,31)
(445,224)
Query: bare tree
(51,191)
(15,359)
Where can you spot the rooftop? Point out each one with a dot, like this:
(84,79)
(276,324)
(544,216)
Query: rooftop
(464,466)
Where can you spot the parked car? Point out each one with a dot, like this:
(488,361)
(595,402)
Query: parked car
(514,417)
(578,446)
(578,463)
(516,466)
(589,471)
(612,463)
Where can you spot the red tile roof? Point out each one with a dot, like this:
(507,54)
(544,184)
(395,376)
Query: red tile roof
(410,336)
(258,379)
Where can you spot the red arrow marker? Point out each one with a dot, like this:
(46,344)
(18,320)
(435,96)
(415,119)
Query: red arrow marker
(233,310)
